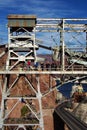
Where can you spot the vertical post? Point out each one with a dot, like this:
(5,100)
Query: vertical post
(34,45)
(7,63)
(3,102)
(8,37)
(86,42)
(39,96)
(62,46)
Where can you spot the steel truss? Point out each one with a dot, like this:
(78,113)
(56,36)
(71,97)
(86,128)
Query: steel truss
(21,48)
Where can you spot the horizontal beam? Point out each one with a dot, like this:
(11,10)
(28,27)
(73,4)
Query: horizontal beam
(43,72)
(19,98)
(20,124)
(59,25)
(58,19)
(56,30)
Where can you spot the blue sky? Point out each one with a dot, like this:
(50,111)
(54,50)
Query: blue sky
(42,9)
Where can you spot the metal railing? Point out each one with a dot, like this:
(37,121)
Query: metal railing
(43,70)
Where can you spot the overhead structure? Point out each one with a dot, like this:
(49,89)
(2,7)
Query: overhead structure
(23,29)
(21,66)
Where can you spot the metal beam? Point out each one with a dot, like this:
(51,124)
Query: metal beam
(44,72)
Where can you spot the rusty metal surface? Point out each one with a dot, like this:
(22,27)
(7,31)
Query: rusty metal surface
(21,20)
(21,17)
(21,23)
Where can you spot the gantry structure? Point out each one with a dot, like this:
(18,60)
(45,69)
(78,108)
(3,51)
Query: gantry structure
(21,66)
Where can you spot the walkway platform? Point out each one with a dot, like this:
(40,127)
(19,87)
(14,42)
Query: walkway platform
(42,72)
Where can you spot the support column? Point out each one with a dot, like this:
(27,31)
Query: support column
(39,96)
(62,45)
(34,46)
(86,42)
(3,107)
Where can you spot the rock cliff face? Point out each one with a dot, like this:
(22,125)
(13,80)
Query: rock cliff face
(81,111)
(22,89)
(48,101)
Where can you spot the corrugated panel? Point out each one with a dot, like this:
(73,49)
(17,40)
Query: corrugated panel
(21,23)
(21,20)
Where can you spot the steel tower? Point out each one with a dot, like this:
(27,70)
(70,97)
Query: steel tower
(21,55)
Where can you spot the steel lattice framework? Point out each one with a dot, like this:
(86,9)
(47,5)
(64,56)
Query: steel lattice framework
(21,50)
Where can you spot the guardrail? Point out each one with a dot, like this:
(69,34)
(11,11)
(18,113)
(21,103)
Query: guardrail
(39,68)
(72,122)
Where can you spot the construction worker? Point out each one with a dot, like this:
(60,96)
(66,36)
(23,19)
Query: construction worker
(42,65)
(28,64)
(47,66)
(36,65)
